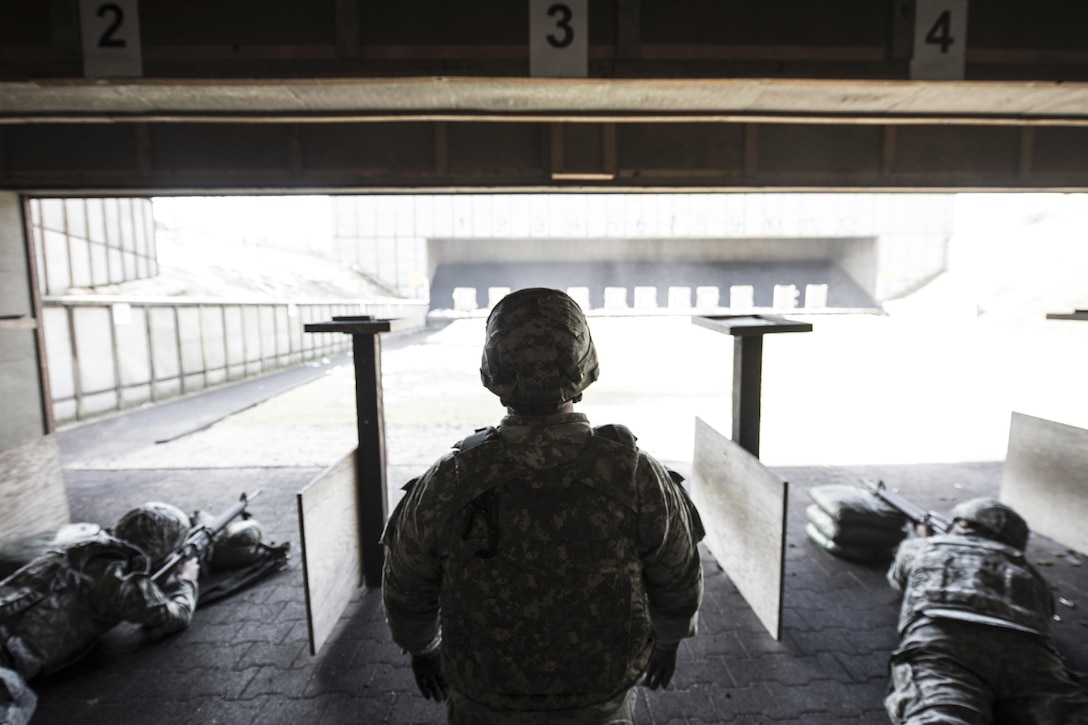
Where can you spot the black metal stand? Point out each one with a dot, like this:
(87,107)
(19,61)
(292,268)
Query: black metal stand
(1077,314)
(370,414)
(748,331)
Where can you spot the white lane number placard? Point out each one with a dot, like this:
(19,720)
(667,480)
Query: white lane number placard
(110,32)
(940,40)
(558,43)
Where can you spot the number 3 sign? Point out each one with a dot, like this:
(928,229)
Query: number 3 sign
(111,38)
(558,46)
(940,40)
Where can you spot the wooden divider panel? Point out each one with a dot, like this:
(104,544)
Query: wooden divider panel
(1046,478)
(332,561)
(743,507)
(32,489)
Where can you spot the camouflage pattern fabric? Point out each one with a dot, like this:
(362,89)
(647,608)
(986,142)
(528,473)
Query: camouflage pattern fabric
(961,673)
(538,349)
(462,711)
(968,577)
(551,557)
(975,647)
(53,609)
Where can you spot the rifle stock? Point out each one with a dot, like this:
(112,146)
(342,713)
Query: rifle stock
(201,535)
(914,513)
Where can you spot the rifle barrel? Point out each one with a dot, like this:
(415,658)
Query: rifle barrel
(916,514)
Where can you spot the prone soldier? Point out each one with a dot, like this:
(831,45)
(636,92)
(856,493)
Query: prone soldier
(53,609)
(975,646)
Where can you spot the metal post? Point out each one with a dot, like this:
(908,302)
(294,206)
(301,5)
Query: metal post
(370,414)
(748,332)
(370,454)
(747,391)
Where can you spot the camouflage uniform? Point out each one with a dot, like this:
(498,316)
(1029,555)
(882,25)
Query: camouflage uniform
(553,557)
(53,609)
(974,644)
(547,562)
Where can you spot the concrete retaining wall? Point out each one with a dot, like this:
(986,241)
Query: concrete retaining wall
(109,354)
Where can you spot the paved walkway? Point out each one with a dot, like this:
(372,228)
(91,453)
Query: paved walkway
(246,659)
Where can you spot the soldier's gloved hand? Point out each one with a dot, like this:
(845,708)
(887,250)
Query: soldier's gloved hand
(188,569)
(661,667)
(429,679)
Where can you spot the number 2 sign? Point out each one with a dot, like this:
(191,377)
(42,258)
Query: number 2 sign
(558,46)
(940,40)
(110,31)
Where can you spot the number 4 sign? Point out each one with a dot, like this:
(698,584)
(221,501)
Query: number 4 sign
(558,46)
(940,40)
(111,38)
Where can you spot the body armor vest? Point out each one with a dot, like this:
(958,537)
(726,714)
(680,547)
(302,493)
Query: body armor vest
(958,577)
(544,607)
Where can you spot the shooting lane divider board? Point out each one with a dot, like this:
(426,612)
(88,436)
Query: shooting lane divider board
(32,488)
(332,559)
(1046,478)
(743,507)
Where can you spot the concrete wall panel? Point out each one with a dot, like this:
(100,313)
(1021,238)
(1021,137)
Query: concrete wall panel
(133,349)
(266,331)
(93,328)
(59,353)
(190,340)
(135,396)
(22,419)
(165,358)
(214,335)
(234,334)
(14,275)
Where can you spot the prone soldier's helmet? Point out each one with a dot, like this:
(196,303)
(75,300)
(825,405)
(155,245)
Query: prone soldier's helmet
(992,519)
(156,528)
(538,351)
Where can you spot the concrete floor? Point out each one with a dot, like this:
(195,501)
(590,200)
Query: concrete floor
(246,659)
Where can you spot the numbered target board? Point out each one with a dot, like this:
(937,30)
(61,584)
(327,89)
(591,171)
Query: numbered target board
(558,43)
(110,32)
(940,40)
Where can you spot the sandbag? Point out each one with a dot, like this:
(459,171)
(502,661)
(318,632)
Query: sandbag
(852,505)
(860,554)
(853,534)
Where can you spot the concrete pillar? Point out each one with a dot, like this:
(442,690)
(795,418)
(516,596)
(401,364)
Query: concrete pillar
(32,496)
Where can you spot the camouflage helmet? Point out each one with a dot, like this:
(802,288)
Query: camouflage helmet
(158,529)
(538,350)
(993,519)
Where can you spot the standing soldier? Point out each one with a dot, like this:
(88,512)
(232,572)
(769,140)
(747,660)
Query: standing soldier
(53,609)
(974,634)
(543,566)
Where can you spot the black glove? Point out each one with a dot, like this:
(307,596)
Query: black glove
(660,668)
(429,679)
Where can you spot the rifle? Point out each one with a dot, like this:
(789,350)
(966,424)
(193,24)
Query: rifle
(201,536)
(915,514)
